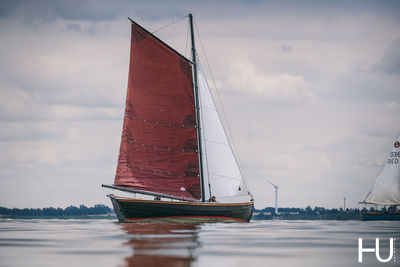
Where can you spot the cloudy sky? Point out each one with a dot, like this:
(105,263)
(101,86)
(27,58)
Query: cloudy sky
(311,90)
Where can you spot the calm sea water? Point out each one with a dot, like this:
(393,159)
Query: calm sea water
(259,243)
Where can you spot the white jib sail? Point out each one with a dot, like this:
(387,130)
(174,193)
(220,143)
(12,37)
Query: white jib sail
(221,173)
(386,189)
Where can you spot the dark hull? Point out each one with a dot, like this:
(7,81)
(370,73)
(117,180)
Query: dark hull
(380,216)
(136,210)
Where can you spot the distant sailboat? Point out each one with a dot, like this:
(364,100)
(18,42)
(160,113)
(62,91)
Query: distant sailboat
(386,189)
(173,143)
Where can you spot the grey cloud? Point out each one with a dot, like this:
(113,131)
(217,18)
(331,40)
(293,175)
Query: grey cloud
(390,63)
(49,11)
(286,48)
(73,27)
(97,10)
(27,131)
(8,6)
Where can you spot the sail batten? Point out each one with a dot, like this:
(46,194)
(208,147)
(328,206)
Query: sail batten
(158,151)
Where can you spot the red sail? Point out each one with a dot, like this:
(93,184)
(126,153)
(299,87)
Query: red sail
(158,150)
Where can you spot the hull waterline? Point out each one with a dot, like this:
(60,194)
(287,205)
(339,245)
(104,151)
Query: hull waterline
(137,210)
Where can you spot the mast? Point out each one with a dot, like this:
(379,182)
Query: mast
(197,107)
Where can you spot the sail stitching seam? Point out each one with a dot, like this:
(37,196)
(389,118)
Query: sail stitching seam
(226,176)
(155,171)
(216,142)
(159,147)
(161,123)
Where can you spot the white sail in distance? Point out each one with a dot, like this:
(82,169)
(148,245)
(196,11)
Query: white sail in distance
(386,189)
(222,176)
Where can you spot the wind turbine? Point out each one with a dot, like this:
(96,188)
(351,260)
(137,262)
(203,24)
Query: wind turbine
(276,196)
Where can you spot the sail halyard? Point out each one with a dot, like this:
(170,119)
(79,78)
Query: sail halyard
(159,144)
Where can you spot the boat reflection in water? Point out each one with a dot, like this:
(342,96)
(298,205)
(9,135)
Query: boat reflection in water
(162,244)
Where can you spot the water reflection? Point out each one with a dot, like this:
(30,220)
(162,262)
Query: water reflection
(162,244)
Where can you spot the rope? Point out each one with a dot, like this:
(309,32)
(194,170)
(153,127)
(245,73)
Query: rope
(236,155)
(165,26)
(205,146)
(187,38)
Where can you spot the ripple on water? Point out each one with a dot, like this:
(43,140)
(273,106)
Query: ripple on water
(259,243)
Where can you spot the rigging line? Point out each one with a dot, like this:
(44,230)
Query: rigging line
(224,176)
(236,154)
(187,37)
(216,142)
(209,108)
(219,99)
(205,144)
(229,143)
(165,26)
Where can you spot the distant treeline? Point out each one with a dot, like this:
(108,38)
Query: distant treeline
(308,213)
(98,209)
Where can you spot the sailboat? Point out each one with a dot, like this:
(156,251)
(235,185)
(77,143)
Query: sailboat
(174,147)
(386,189)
